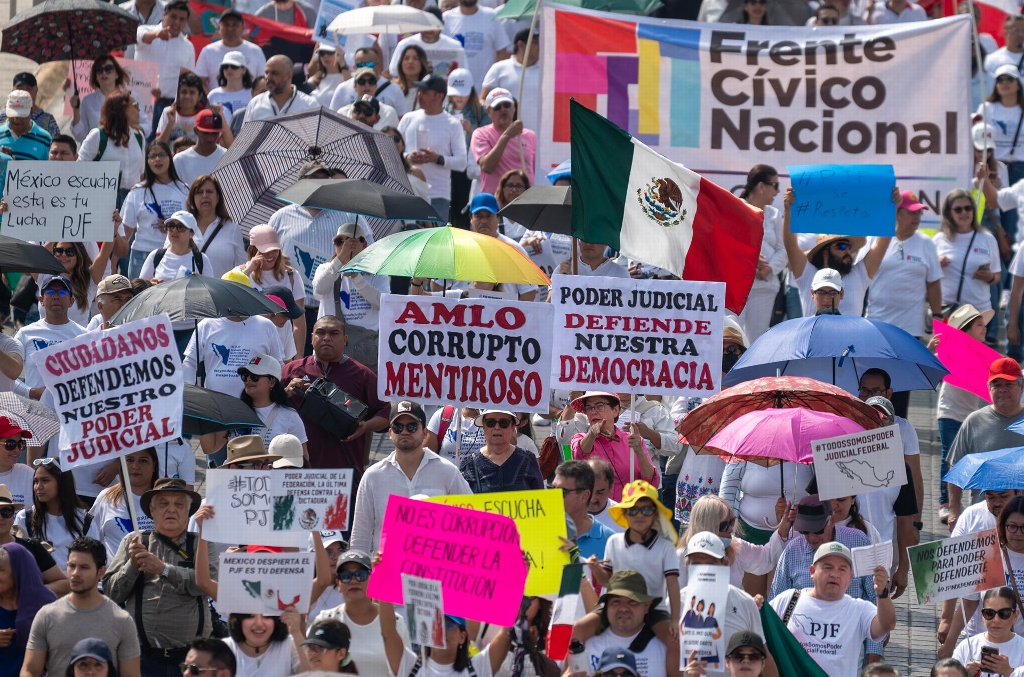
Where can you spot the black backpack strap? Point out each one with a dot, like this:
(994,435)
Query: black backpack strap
(197,261)
(416,667)
(139,585)
(213,235)
(381,88)
(791,606)
(157,258)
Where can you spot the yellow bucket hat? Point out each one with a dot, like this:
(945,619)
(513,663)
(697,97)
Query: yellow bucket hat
(633,492)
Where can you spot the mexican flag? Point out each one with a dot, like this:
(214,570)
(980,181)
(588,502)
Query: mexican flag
(567,610)
(658,212)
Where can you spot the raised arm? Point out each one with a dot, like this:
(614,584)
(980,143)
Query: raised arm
(796,256)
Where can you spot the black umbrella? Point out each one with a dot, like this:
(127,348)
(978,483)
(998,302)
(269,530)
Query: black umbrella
(58,30)
(208,411)
(18,256)
(547,208)
(196,297)
(359,196)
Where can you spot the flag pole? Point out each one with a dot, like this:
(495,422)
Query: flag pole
(129,497)
(522,79)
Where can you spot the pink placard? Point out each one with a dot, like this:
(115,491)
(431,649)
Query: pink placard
(475,555)
(966,358)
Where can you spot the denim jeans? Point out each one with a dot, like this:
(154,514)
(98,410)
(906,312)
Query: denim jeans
(135,261)
(948,428)
(794,306)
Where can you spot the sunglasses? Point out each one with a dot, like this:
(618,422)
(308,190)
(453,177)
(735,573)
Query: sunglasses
(46,460)
(174,225)
(365,64)
(773,184)
(842,246)
(11,445)
(742,656)
(250,465)
(106,68)
(361,575)
(157,156)
(233,67)
(64,251)
(724,526)
(249,376)
(502,423)
(961,209)
(1004,614)
(816,533)
(397,428)
(193,669)
(645,510)
(501,106)
(7,513)
(339,242)
(828,21)
(56,292)
(366,81)
(1003,79)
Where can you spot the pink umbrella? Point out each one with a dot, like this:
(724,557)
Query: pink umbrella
(772,436)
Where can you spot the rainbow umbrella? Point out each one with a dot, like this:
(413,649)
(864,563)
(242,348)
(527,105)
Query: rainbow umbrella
(447,253)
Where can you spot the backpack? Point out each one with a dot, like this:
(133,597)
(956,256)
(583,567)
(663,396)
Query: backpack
(197,260)
(103,144)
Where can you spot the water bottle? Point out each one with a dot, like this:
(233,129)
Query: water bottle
(422,137)
(577,657)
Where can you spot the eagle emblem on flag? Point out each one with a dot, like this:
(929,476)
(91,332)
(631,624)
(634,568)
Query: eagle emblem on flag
(661,200)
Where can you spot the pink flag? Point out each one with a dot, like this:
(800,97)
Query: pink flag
(966,358)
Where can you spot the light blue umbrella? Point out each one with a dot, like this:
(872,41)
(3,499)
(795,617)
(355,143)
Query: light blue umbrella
(838,349)
(997,470)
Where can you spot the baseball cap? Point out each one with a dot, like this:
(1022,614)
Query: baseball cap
(262,365)
(1005,368)
(357,556)
(498,95)
(46,280)
(264,238)
(350,230)
(746,639)
(910,201)
(330,634)
(365,70)
(19,104)
(25,78)
(112,284)
(629,584)
(208,121)
(827,278)
(10,426)
(615,657)
(983,137)
(1008,69)
(707,543)
(367,104)
(233,58)
(282,292)
(232,13)
(407,408)
(237,276)
(330,537)
(483,201)
(881,403)
(326,48)
(184,218)
(812,514)
(289,448)
(460,82)
(91,647)
(433,83)
(832,548)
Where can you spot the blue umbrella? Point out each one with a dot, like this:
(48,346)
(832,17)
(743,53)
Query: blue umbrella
(997,470)
(838,349)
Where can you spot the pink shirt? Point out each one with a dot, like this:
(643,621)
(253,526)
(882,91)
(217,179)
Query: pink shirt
(485,138)
(617,453)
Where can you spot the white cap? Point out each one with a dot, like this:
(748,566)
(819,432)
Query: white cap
(460,82)
(184,218)
(1008,69)
(707,543)
(832,548)
(233,58)
(827,277)
(982,136)
(289,448)
(499,95)
(19,104)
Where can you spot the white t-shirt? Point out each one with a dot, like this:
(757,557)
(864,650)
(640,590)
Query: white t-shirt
(172,55)
(226,250)
(210,58)
(654,563)
(41,335)
(357,309)
(650,662)
(969,651)
(506,74)
(19,481)
(232,101)
(82,317)
(985,250)
(286,422)
(115,522)
(145,206)
(225,345)
(1004,121)
(280,658)
(327,600)
(855,285)
(173,266)
(9,346)
(1016,563)
(481,35)
(177,460)
(975,517)
(190,165)
(606,519)
(831,632)
(471,438)
(444,135)
(367,648)
(57,535)
(481,664)
(900,283)
(607,268)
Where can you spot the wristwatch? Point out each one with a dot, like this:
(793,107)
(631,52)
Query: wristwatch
(440,160)
(167,568)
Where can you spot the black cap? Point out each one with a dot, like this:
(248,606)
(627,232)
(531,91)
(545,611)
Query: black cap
(357,556)
(330,634)
(368,105)
(25,78)
(291,308)
(433,83)
(407,408)
(231,13)
(523,35)
(745,639)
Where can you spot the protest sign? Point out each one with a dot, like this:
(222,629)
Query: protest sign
(142,79)
(424,611)
(953,567)
(264,583)
(474,554)
(329,9)
(702,627)
(243,504)
(476,352)
(638,336)
(859,463)
(61,201)
(539,515)
(867,557)
(115,392)
(966,358)
(783,94)
(306,500)
(846,199)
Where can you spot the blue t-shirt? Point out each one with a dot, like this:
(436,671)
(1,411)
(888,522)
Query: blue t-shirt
(11,657)
(593,542)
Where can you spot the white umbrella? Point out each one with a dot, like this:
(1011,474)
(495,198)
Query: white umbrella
(384,19)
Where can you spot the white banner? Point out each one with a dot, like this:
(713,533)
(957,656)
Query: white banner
(116,391)
(307,499)
(474,352)
(859,463)
(638,336)
(719,98)
(243,505)
(705,604)
(61,201)
(264,583)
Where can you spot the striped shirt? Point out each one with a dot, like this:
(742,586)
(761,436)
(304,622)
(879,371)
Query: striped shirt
(32,145)
(308,240)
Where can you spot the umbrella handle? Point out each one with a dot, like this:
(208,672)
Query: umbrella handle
(71,43)
(771,526)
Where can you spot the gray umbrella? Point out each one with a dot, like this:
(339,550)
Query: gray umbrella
(196,297)
(38,418)
(359,196)
(547,208)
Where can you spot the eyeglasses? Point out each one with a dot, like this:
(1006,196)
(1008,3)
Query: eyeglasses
(233,67)
(1014,528)
(56,292)
(7,513)
(249,376)
(597,407)
(645,510)
(962,208)
(828,21)
(566,491)
(842,246)
(175,225)
(725,525)
(65,251)
(106,68)
(11,445)
(872,391)
(193,669)
(157,156)
(515,186)
(825,292)
(502,423)
(340,241)
(742,656)
(819,532)
(366,81)
(397,428)
(365,64)
(1003,79)
(773,184)
(1004,614)
(250,465)
(502,106)
(361,575)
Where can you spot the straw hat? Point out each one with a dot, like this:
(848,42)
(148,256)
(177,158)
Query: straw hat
(827,241)
(247,448)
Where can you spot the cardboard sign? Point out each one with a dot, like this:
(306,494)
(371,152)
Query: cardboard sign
(476,352)
(116,391)
(61,201)
(954,567)
(966,358)
(475,555)
(142,79)
(844,199)
(638,336)
(859,463)
(540,516)
(307,500)
(702,628)
(243,503)
(264,583)
(424,611)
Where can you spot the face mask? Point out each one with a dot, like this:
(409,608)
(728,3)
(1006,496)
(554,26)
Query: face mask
(730,356)
(726,541)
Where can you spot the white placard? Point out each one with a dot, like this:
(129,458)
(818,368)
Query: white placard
(308,500)
(264,583)
(243,505)
(705,605)
(61,201)
(637,336)
(116,391)
(424,611)
(867,557)
(859,463)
